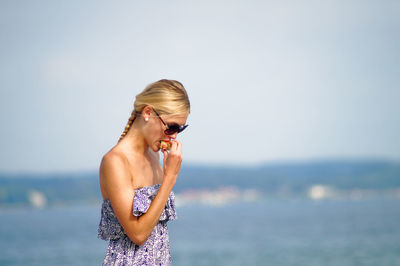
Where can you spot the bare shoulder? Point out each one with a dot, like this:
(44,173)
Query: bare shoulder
(112,162)
(111,158)
(114,174)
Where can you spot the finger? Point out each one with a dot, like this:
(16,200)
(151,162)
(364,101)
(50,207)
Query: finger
(178,146)
(174,144)
(178,149)
(174,141)
(165,153)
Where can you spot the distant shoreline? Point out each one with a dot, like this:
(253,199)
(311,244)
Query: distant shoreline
(317,180)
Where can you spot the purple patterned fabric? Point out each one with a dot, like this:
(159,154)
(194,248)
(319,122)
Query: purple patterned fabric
(121,250)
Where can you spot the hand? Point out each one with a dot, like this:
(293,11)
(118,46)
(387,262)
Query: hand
(172,161)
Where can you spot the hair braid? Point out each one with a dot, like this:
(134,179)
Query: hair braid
(128,125)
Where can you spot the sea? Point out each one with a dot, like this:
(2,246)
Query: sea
(264,232)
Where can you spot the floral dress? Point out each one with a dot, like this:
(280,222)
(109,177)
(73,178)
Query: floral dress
(121,250)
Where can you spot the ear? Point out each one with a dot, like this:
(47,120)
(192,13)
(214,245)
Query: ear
(146,112)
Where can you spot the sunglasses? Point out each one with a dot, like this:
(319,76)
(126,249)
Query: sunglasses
(173,128)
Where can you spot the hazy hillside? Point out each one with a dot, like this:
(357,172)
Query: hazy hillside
(67,188)
(269,177)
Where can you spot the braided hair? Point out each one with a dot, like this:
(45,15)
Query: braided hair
(128,125)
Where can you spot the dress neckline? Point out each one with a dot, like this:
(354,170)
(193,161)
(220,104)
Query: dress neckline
(154,185)
(140,188)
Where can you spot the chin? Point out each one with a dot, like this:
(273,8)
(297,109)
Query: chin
(155,149)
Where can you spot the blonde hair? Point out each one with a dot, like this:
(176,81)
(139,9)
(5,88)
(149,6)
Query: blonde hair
(166,96)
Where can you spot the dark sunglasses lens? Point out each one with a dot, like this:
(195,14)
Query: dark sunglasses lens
(172,129)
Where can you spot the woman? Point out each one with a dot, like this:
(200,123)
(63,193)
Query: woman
(136,189)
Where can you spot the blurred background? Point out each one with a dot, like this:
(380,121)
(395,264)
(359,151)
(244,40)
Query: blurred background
(291,157)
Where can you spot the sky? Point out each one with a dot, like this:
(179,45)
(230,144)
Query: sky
(268,81)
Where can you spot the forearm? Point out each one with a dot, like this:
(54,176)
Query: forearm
(150,219)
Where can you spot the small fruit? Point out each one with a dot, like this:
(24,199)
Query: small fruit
(165,145)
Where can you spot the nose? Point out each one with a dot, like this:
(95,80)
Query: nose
(173,136)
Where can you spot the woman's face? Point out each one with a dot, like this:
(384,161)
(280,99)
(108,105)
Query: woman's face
(155,128)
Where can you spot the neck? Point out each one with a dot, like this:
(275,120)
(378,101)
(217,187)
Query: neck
(134,141)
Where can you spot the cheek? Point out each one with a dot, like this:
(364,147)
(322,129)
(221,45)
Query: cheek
(155,135)
(153,131)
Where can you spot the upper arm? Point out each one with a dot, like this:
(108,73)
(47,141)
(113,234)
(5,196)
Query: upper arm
(115,177)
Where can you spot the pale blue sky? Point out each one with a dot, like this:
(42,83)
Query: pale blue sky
(268,80)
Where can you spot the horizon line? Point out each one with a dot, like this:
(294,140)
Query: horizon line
(275,162)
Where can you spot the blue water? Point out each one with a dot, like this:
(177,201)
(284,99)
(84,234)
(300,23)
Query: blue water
(298,232)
